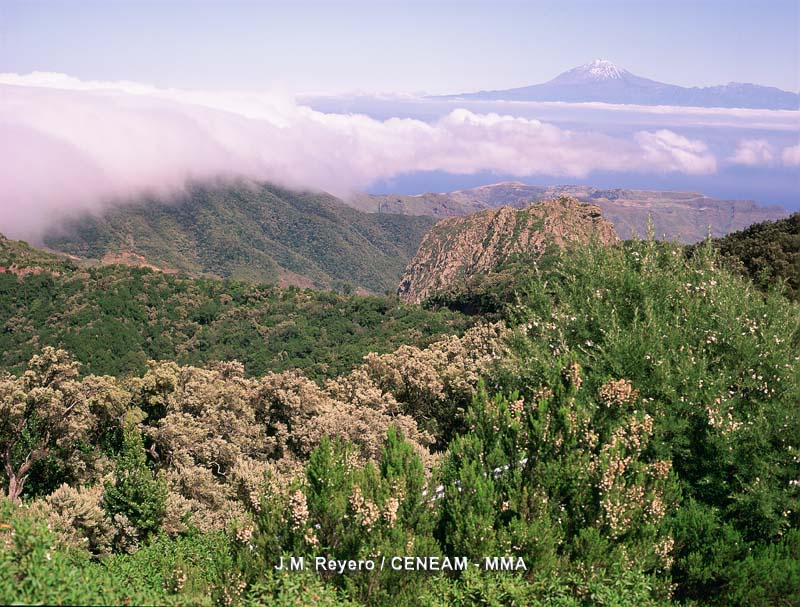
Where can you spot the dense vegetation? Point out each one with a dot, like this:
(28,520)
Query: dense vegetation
(113,319)
(256,232)
(630,429)
(767,252)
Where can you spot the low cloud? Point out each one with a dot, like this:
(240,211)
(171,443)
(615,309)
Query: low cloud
(791,155)
(753,152)
(72,145)
(672,152)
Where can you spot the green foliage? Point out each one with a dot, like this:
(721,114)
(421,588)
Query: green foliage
(715,562)
(553,483)
(343,511)
(134,493)
(43,414)
(18,256)
(34,569)
(768,253)
(714,363)
(623,589)
(634,440)
(114,318)
(256,232)
(286,589)
(770,575)
(493,295)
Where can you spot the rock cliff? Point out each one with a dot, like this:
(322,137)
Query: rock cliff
(459,247)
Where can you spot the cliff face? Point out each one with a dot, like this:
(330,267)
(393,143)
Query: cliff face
(458,247)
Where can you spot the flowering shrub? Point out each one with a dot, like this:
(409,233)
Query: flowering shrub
(702,362)
(630,429)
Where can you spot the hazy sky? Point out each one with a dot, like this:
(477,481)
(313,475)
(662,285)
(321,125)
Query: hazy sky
(399,46)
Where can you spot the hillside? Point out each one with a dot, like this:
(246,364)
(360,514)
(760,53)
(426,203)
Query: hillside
(766,252)
(114,318)
(256,232)
(20,259)
(457,248)
(682,215)
(629,432)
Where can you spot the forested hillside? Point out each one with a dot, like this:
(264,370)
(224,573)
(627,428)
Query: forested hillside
(256,232)
(114,318)
(767,252)
(624,421)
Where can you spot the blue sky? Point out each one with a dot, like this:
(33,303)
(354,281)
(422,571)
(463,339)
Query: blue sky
(399,46)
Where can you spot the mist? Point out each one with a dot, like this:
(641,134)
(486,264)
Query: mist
(70,146)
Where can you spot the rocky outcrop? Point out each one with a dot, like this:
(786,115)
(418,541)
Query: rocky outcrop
(459,247)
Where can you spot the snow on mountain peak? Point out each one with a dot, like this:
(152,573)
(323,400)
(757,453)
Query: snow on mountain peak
(602,69)
(599,70)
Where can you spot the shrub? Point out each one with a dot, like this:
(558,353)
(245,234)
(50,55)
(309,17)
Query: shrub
(135,499)
(715,365)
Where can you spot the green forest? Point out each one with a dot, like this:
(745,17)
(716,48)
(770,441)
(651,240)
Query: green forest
(253,231)
(623,419)
(113,319)
(767,252)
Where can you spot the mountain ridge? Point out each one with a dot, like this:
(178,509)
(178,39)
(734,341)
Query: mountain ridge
(682,215)
(257,232)
(603,81)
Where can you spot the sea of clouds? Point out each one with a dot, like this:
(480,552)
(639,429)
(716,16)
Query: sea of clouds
(70,145)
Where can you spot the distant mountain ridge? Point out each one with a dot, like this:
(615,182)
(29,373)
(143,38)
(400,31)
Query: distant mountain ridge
(682,215)
(264,233)
(603,81)
(251,231)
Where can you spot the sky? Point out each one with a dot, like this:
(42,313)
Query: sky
(408,46)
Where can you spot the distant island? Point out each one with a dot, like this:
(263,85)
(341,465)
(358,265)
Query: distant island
(603,81)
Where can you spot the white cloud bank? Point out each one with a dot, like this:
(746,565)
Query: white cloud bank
(753,152)
(791,156)
(759,152)
(70,145)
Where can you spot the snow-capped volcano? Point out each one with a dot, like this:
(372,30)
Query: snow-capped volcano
(602,80)
(597,70)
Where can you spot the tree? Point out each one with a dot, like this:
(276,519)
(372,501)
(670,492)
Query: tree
(135,493)
(43,410)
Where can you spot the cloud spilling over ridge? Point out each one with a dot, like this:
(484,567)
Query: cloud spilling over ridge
(69,145)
